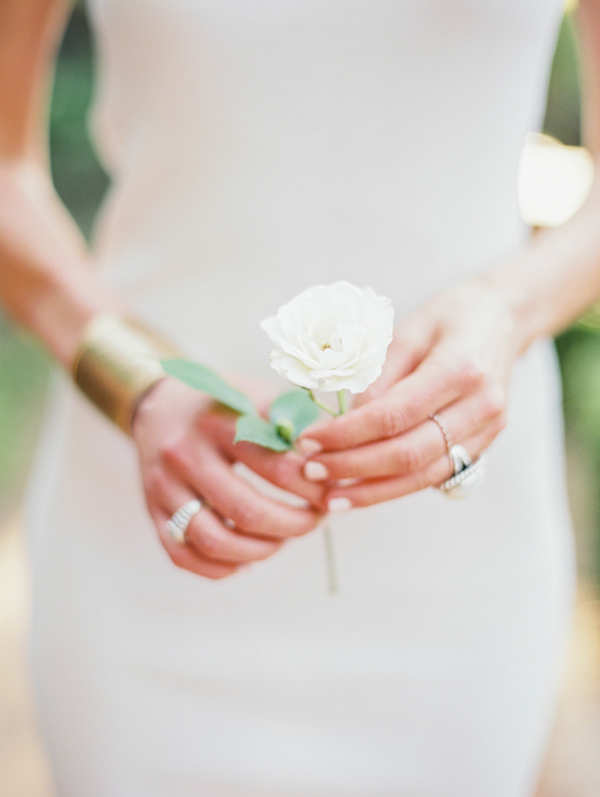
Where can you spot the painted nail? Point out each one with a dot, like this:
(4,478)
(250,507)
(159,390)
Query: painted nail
(339,504)
(308,446)
(315,471)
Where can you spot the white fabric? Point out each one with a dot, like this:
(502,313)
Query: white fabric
(259,147)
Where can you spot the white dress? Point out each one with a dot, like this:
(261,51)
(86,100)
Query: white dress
(259,147)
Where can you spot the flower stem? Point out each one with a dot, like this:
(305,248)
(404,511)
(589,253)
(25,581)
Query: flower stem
(320,404)
(332,581)
(330,560)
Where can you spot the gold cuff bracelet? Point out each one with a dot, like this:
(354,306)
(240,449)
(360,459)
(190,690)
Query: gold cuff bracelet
(117,363)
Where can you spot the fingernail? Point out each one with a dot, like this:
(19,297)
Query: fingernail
(340,504)
(308,446)
(315,471)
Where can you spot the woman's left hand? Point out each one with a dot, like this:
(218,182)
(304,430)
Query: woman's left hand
(452,357)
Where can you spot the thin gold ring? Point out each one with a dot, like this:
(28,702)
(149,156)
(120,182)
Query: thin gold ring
(447,439)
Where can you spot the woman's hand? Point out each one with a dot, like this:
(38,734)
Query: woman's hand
(186,451)
(452,357)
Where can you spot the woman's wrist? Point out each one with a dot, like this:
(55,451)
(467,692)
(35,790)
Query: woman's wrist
(117,363)
(554,279)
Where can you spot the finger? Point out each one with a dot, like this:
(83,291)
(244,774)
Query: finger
(378,490)
(408,452)
(435,383)
(211,538)
(478,443)
(214,541)
(396,456)
(165,495)
(412,340)
(285,470)
(208,474)
(187,557)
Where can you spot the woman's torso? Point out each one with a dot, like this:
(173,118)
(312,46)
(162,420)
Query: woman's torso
(258,148)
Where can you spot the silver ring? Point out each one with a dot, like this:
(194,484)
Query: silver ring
(460,458)
(178,523)
(467,474)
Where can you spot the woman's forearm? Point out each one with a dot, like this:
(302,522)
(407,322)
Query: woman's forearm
(47,283)
(556,277)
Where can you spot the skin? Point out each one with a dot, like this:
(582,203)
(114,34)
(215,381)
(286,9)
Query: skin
(454,356)
(48,285)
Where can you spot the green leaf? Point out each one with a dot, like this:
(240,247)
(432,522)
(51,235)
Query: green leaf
(202,378)
(257,430)
(293,412)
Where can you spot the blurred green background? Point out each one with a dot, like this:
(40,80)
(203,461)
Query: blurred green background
(24,368)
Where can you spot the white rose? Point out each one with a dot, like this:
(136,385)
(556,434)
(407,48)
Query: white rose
(331,337)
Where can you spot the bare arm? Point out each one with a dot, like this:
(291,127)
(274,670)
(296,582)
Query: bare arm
(454,356)
(48,285)
(557,277)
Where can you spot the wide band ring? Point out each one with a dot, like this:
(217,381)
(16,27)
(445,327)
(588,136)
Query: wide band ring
(178,523)
(459,456)
(467,474)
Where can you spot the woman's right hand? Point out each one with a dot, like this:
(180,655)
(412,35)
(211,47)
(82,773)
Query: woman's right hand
(186,451)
